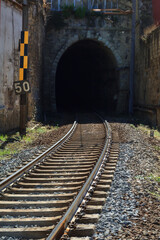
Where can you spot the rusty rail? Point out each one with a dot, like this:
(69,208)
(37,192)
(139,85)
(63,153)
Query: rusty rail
(11,179)
(61,226)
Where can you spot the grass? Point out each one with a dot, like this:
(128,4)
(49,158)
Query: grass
(157,148)
(7,152)
(157,134)
(41,130)
(139,177)
(147,129)
(155,194)
(132,125)
(56,127)
(32,133)
(153,177)
(17,144)
(27,139)
(150,178)
(3,138)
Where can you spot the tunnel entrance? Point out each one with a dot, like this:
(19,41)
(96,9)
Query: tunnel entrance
(86,78)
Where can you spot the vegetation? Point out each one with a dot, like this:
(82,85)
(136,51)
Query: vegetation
(157,148)
(41,130)
(155,194)
(151,178)
(147,130)
(7,152)
(132,125)
(57,19)
(56,127)
(157,134)
(154,178)
(3,138)
(12,144)
(80,12)
(67,11)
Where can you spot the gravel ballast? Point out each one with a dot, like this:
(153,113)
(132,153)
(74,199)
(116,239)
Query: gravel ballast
(131,210)
(40,145)
(121,202)
(8,165)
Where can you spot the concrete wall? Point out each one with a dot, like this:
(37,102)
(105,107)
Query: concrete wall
(10,27)
(114,33)
(10,32)
(147,85)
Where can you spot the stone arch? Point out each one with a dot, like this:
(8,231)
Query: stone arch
(65,41)
(75,39)
(72,41)
(99,89)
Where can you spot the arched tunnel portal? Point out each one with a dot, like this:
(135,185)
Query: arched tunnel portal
(86,78)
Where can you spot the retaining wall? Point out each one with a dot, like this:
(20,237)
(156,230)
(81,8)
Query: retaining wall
(147,85)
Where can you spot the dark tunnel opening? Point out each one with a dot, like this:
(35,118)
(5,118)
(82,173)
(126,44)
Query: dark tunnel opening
(86,78)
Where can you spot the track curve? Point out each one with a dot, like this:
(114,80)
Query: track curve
(32,206)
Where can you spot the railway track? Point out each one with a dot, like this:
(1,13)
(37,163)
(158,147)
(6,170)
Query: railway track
(61,192)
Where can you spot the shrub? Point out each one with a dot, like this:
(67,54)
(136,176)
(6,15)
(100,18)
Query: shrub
(67,11)
(80,12)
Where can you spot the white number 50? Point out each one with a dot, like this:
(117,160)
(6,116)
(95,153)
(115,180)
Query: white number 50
(22,87)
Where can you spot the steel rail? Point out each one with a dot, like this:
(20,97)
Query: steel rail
(11,179)
(61,226)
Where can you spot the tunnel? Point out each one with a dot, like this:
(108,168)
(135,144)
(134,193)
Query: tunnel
(87,78)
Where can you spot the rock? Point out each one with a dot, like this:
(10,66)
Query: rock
(106,232)
(129,200)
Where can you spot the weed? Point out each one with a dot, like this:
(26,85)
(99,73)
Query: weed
(80,12)
(157,148)
(157,134)
(155,194)
(139,177)
(7,152)
(147,130)
(3,138)
(68,11)
(56,127)
(144,128)
(153,177)
(27,139)
(41,130)
(132,125)
(157,179)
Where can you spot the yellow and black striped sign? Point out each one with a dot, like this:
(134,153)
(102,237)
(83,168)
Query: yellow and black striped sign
(22,86)
(23,56)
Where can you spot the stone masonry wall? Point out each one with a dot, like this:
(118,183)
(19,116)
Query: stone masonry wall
(112,32)
(145,14)
(35,55)
(147,85)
